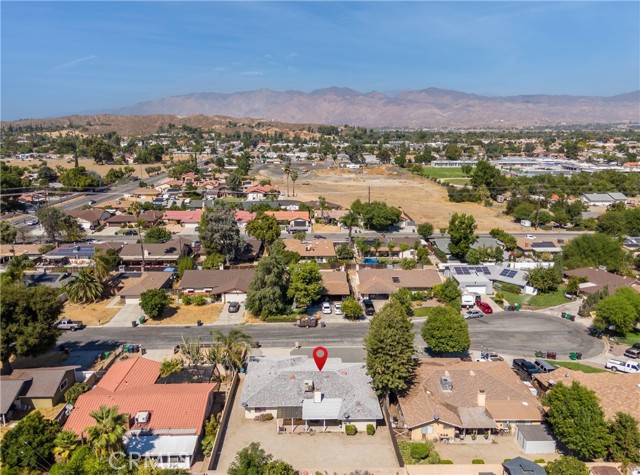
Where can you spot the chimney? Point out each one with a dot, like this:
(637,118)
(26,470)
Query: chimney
(146,253)
(317,396)
(482,398)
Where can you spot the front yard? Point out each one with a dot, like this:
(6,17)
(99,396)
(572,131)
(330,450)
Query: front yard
(576,366)
(179,314)
(92,314)
(550,299)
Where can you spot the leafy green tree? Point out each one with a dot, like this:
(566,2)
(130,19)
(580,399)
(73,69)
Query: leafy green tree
(29,445)
(488,176)
(267,291)
(232,346)
(79,179)
(505,238)
(185,263)
(447,292)
(545,279)
(344,252)
(74,392)
(305,284)
(234,181)
(85,288)
(64,444)
(100,151)
(452,152)
(578,420)
(593,250)
(264,228)
(524,211)
(422,255)
(403,297)
(566,465)
(615,311)
(251,460)
(51,220)
(352,308)
(7,233)
(425,230)
(157,234)
(27,317)
(378,216)
(47,174)
(154,301)
(461,231)
(280,467)
(213,261)
(70,229)
(105,436)
(625,439)
(219,232)
(350,220)
(390,350)
(445,331)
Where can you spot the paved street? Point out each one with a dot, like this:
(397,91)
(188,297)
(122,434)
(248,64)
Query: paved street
(511,333)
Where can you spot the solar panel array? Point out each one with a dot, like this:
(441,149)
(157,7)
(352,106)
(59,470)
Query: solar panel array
(509,273)
(472,270)
(543,244)
(72,251)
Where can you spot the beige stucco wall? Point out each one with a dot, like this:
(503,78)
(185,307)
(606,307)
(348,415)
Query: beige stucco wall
(252,413)
(439,430)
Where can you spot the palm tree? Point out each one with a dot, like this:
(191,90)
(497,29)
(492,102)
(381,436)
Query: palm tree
(231,346)
(287,171)
(136,209)
(100,268)
(349,221)
(106,435)
(65,443)
(85,288)
(376,245)
(293,174)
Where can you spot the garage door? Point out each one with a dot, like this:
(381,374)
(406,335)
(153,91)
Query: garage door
(239,297)
(131,300)
(482,290)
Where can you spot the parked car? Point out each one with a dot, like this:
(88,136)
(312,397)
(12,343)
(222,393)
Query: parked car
(92,202)
(530,236)
(131,232)
(32,222)
(544,366)
(467,301)
(623,366)
(307,322)
(636,346)
(337,308)
(485,307)
(67,324)
(234,307)
(632,353)
(525,369)
(326,308)
(369,309)
(473,314)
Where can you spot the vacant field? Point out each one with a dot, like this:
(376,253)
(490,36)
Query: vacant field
(88,163)
(438,172)
(92,314)
(419,197)
(179,314)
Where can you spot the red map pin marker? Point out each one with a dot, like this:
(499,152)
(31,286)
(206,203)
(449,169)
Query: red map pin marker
(320,356)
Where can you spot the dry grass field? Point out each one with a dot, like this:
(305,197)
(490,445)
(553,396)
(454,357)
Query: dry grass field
(92,314)
(88,163)
(179,314)
(420,198)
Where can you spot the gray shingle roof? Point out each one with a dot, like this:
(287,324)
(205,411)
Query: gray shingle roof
(279,382)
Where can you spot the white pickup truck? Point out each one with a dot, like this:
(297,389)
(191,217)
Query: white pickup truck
(67,324)
(622,366)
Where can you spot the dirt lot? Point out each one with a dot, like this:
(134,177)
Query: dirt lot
(92,315)
(179,314)
(89,164)
(420,198)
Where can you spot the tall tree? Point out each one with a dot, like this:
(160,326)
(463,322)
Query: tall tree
(616,311)
(105,436)
(566,465)
(545,279)
(154,301)
(27,448)
(7,233)
(219,232)
(593,250)
(64,444)
(265,228)
(425,230)
(390,350)
(85,288)
(157,234)
(445,331)
(578,420)
(462,229)
(51,220)
(267,291)
(232,346)
(136,210)
(305,284)
(253,460)
(625,439)
(350,220)
(293,174)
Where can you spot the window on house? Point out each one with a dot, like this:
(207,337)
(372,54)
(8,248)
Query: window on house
(427,429)
(63,385)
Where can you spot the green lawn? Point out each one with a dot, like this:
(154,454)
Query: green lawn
(630,338)
(437,172)
(515,298)
(421,312)
(576,366)
(537,301)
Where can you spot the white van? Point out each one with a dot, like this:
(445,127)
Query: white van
(468,301)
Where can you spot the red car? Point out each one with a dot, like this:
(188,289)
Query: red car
(484,306)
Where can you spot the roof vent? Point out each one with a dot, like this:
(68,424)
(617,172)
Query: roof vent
(142,417)
(446,383)
(308,386)
(396,280)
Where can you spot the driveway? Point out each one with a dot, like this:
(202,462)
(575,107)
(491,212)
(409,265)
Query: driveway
(227,318)
(306,451)
(125,316)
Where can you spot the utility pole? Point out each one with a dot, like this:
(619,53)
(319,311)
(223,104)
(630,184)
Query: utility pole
(538,206)
(369,199)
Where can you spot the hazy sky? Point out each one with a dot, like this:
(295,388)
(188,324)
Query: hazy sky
(67,57)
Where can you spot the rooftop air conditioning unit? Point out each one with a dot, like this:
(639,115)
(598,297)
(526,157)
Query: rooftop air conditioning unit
(142,417)
(308,385)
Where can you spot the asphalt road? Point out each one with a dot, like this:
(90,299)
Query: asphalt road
(510,333)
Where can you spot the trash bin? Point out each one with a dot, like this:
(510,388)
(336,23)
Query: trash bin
(107,354)
(578,355)
(563,314)
(573,356)
(572,317)
(199,323)
(141,320)
(517,307)
(134,323)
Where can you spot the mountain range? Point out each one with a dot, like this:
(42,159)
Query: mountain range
(430,107)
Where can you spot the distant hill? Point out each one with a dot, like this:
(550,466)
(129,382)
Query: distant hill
(430,107)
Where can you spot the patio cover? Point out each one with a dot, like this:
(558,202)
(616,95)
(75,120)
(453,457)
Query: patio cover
(327,409)
(475,418)
(157,445)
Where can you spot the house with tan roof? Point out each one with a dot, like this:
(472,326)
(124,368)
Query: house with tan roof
(616,392)
(148,219)
(452,398)
(319,250)
(89,218)
(292,221)
(163,421)
(40,388)
(133,287)
(228,285)
(598,279)
(262,192)
(187,218)
(335,284)
(156,254)
(381,283)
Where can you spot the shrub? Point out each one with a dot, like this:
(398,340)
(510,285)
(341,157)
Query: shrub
(187,299)
(477,462)
(74,392)
(199,300)
(371,430)
(539,461)
(513,289)
(420,450)
(267,416)
(449,462)
(506,460)
(433,458)
(350,429)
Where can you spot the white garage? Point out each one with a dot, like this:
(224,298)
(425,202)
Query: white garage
(535,439)
(474,284)
(234,297)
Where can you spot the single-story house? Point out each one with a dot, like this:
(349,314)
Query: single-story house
(229,285)
(251,251)
(292,221)
(262,192)
(42,388)
(330,216)
(528,246)
(442,243)
(480,279)
(133,287)
(32,251)
(603,199)
(145,194)
(598,279)
(156,254)
(75,255)
(148,219)
(301,398)
(164,421)
(243,217)
(522,466)
(452,398)
(187,219)
(319,250)
(381,283)
(55,280)
(536,439)
(89,218)
(10,390)
(615,391)
(335,284)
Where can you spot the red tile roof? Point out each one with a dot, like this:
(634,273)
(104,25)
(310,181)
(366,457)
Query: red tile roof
(288,215)
(184,216)
(244,216)
(130,373)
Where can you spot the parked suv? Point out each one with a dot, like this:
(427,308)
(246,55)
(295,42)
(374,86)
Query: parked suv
(632,353)
(369,309)
(524,368)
